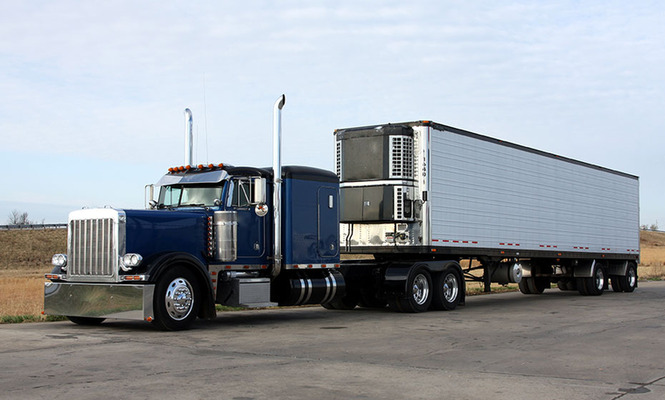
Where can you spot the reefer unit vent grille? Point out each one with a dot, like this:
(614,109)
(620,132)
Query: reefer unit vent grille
(338,158)
(401,157)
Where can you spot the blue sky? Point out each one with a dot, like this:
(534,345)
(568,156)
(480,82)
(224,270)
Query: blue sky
(93,93)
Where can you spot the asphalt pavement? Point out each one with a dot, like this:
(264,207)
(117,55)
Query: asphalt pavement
(558,345)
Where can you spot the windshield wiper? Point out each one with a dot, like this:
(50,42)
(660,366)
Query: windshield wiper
(193,205)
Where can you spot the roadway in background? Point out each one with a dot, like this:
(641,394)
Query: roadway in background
(558,345)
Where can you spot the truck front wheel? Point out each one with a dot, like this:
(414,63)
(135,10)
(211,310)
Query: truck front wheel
(176,301)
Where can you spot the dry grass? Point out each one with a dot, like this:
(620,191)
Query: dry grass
(652,256)
(30,251)
(25,256)
(23,295)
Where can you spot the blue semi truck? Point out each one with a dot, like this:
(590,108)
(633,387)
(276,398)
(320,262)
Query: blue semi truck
(408,205)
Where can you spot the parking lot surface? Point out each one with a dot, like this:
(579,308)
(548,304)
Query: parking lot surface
(558,345)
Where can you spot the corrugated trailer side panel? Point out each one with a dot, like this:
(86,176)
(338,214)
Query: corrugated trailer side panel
(488,194)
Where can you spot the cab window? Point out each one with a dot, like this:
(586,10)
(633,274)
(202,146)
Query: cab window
(240,193)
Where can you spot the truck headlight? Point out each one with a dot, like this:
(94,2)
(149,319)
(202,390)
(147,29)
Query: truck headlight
(60,261)
(129,261)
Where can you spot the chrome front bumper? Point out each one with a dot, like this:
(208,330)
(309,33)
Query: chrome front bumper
(99,300)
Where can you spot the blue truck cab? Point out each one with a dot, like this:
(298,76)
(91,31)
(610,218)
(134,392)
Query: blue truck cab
(208,239)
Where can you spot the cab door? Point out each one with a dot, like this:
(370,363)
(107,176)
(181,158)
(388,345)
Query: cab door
(251,227)
(328,224)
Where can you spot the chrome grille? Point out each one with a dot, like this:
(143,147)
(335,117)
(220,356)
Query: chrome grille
(93,251)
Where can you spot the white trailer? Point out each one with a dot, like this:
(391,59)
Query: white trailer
(422,191)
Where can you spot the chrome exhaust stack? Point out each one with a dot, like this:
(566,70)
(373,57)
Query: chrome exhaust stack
(277,184)
(189,137)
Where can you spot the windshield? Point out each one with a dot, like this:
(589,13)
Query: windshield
(190,195)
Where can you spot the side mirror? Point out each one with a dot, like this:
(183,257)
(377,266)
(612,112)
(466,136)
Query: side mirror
(258,191)
(149,196)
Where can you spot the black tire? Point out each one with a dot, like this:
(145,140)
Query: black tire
(419,293)
(595,285)
(177,300)
(616,283)
(626,283)
(370,300)
(447,290)
(566,284)
(89,321)
(524,286)
(540,284)
(581,286)
(346,302)
(533,285)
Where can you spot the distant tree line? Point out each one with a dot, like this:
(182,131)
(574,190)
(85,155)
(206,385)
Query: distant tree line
(652,227)
(20,218)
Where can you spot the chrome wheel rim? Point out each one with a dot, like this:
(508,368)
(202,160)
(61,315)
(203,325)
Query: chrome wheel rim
(450,288)
(599,279)
(179,299)
(420,289)
(631,277)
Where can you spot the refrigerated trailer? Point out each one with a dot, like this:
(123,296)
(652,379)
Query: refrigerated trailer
(414,210)
(421,191)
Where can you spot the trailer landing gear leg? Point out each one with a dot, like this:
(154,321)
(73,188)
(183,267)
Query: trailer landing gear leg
(487,278)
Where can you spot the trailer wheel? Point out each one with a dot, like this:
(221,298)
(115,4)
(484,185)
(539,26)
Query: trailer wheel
(629,281)
(524,286)
(176,301)
(566,284)
(626,283)
(533,285)
(419,293)
(593,286)
(447,290)
(86,320)
(616,283)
